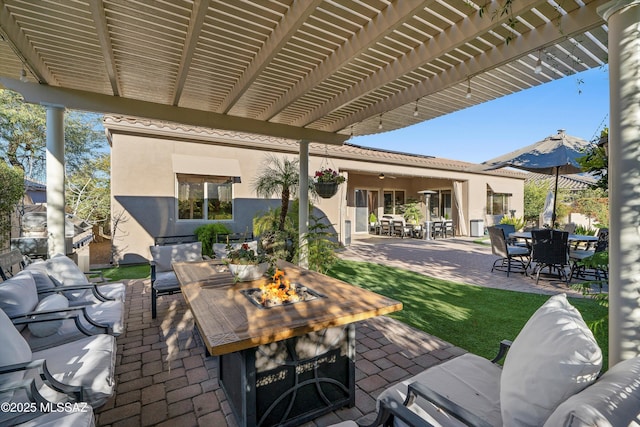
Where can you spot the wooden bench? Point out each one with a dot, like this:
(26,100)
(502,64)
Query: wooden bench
(10,262)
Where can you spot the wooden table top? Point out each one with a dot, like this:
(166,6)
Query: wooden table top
(229,322)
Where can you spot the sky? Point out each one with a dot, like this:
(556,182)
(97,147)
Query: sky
(579,104)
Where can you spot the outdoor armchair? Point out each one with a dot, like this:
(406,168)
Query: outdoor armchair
(47,319)
(163,279)
(64,273)
(511,256)
(84,367)
(537,377)
(46,414)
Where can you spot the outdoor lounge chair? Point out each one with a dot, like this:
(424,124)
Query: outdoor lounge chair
(21,301)
(542,383)
(511,257)
(163,279)
(84,367)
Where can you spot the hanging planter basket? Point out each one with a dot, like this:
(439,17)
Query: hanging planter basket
(326,190)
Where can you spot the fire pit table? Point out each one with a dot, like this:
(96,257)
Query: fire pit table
(284,364)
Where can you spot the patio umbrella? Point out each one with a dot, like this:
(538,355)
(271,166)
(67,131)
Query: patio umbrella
(553,155)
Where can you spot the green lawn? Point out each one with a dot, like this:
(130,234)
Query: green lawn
(470,317)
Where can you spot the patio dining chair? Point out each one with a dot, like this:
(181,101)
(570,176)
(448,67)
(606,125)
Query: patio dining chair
(577,257)
(163,279)
(511,257)
(385,227)
(550,249)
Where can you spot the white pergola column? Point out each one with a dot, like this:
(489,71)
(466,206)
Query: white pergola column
(303,214)
(55,180)
(623,20)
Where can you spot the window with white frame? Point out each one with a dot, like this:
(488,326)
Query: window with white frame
(497,203)
(393,201)
(205,197)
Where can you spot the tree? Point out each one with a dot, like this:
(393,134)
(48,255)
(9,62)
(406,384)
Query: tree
(594,204)
(11,192)
(596,163)
(281,177)
(88,190)
(23,144)
(535,194)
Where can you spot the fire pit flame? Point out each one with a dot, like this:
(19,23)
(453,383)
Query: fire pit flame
(280,292)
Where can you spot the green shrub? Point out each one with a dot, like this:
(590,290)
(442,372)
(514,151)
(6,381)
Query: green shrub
(518,223)
(207,235)
(587,231)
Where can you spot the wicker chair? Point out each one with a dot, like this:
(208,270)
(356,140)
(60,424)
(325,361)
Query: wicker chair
(511,257)
(550,249)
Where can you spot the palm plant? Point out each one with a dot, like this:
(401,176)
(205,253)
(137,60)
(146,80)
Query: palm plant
(278,176)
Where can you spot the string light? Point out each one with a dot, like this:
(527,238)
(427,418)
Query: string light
(380,124)
(23,76)
(415,111)
(468,96)
(538,68)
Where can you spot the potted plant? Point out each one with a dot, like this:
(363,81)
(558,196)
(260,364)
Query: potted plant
(373,219)
(412,213)
(326,181)
(245,263)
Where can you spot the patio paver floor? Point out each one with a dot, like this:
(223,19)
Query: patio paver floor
(165,379)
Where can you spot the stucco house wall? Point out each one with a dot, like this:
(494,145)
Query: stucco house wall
(146,156)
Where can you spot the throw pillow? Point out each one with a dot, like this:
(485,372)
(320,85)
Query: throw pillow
(18,295)
(554,356)
(614,400)
(45,329)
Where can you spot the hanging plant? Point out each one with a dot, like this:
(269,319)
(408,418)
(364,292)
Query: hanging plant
(326,181)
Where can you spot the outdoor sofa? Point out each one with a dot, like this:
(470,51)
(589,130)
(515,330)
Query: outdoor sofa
(550,378)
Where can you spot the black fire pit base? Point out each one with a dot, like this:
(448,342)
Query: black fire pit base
(293,381)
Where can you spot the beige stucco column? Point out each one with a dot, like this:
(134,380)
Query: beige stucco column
(55,180)
(303,214)
(623,20)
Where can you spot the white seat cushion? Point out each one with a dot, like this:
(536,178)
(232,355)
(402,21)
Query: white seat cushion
(113,291)
(107,313)
(613,400)
(470,381)
(166,281)
(553,357)
(87,362)
(14,349)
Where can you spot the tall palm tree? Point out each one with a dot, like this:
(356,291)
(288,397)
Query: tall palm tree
(278,176)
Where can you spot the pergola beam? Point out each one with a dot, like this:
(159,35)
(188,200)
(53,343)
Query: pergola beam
(89,101)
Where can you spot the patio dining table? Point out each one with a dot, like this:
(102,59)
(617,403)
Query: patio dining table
(287,364)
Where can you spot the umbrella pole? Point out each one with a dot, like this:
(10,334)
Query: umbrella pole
(555,199)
